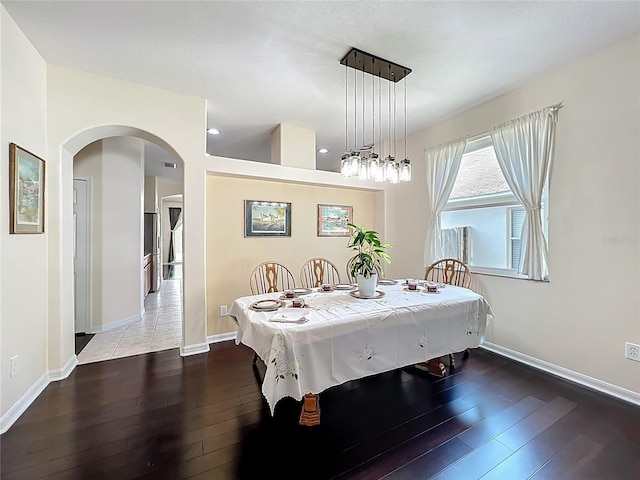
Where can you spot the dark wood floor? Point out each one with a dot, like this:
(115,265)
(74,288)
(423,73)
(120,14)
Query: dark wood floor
(161,416)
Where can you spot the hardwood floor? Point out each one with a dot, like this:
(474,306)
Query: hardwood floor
(161,416)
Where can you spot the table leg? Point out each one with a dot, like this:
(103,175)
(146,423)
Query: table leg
(434,367)
(310,415)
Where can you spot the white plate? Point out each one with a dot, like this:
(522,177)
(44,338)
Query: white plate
(266,305)
(302,291)
(387,281)
(356,293)
(345,286)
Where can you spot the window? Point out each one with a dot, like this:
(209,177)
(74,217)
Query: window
(482,202)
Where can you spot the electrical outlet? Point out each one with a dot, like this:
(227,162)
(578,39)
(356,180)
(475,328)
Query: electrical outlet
(223,310)
(632,351)
(14,365)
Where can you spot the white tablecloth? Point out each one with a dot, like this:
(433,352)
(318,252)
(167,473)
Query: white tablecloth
(348,338)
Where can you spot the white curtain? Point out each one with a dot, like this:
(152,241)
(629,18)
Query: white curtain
(524,148)
(443,163)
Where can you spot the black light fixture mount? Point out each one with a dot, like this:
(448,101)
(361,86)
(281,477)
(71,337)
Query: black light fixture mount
(374,65)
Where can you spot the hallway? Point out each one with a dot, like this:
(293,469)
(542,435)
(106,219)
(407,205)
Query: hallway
(159,329)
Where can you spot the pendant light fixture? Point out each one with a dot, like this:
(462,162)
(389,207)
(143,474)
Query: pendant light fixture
(360,159)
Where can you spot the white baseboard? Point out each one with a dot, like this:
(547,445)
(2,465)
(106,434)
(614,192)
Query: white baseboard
(65,371)
(195,349)
(590,382)
(117,323)
(34,391)
(221,337)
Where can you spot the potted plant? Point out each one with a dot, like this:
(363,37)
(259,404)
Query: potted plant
(368,261)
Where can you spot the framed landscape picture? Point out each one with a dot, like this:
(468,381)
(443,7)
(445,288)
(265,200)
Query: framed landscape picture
(333,220)
(26,191)
(267,219)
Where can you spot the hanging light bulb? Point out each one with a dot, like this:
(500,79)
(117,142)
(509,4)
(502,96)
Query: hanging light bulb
(355,154)
(389,167)
(394,175)
(405,170)
(405,165)
(345,165)
(363,173)
(376,167)
(345,162)
(354,162)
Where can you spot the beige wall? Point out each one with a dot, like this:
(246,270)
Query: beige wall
(231,257)
(24,288)
(581,318)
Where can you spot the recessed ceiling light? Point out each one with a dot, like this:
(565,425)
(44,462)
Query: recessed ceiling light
(213,131)
(323,150)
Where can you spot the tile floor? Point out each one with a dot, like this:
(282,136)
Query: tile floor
(159,329)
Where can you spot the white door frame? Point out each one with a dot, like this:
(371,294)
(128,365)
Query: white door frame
(87,327)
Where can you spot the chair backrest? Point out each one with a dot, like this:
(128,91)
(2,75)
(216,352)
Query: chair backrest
(450,271)
(271,277)
(317,271)
(354,279)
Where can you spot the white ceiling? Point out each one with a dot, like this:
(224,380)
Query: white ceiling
(259,64)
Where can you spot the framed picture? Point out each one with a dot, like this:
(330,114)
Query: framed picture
(267,219)
(26,191)
(333,220)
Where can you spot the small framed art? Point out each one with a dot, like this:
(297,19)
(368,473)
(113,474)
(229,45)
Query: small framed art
(26,191)
(333,220)
(267,219)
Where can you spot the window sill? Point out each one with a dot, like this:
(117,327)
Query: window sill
(501,272)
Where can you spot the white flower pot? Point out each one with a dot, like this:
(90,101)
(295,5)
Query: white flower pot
(367,286)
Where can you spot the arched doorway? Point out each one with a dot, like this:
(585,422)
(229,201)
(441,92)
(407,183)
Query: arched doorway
(108,303)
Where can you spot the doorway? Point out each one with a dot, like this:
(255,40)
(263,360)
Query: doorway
(149,323)
(81,262)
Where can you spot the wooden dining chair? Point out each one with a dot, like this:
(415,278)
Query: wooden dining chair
(452,272)
(354,279)
(270,277)
(317,271)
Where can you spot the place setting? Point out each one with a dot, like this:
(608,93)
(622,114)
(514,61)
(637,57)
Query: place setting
(295,293)
(417,286)
(267,305)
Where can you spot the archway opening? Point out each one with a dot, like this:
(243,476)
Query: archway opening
(123,166)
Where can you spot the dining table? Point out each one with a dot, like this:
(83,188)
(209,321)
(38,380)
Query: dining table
(336,335)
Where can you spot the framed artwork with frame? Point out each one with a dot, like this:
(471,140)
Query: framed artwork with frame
(333,220)
(26,191)
(267,219)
